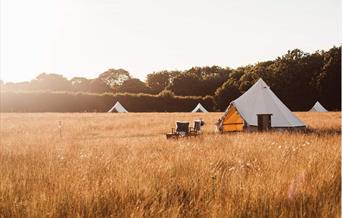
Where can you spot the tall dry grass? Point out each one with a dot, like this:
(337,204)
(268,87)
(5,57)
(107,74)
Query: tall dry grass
(121,165)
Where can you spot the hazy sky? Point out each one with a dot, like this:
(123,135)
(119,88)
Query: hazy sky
(87,37)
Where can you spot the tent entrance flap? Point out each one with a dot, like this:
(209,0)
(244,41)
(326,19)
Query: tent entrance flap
(232,121)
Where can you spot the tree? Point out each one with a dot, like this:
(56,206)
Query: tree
(133,86)
(54,82)
(228,92)
(114,77)
(199,81)
(80,84)
(238,73)
(263,70)
(293,79)
(98,86)
(185,84)
(247,80)
(160,80)
(329,80)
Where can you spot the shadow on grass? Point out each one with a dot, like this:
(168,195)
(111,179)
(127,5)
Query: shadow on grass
(322,132)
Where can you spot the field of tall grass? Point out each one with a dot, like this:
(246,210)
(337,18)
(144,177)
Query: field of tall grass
(121,165)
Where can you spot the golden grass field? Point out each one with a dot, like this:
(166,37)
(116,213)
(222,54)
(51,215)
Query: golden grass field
(121,165)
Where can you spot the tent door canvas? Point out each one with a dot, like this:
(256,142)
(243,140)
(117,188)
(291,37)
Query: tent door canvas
(264,122)
(233,121)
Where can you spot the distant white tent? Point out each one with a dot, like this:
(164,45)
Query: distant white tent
(242,113)
(117,108)
(318,108)
(199,108)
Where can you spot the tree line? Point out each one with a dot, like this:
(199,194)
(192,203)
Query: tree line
(297,78)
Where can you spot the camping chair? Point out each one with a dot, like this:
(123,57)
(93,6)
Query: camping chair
(182,129)
(196,129)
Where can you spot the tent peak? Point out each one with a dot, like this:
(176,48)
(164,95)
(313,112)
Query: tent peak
(199,108)
(118,108)
(318,107)
(262,83)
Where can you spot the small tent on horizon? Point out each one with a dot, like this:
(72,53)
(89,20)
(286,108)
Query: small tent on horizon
(259,100)
(199,108)
(117,108)
(318,108)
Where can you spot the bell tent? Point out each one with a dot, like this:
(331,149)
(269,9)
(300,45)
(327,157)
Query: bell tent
(248,111)
(117,108)
(199,108)
(318,108)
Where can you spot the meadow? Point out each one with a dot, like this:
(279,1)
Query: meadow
(121,165)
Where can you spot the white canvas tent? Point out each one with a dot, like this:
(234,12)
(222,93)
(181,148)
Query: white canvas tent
(199,108)
(117,108)
(242,113)
(318,108)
